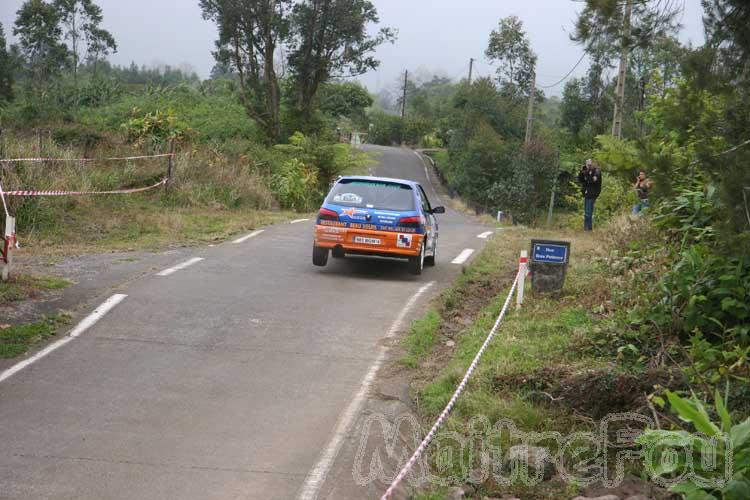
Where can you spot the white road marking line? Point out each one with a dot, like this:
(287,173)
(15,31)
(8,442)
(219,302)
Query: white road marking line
(463,256)
(316,477)
(98,313)
(81,327)
(426,173)
(298,221)
(485,235)
(180,267)
(245,238)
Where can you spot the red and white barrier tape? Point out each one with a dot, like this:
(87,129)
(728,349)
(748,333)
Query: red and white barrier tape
(124,158)
(85,193)
(444,415)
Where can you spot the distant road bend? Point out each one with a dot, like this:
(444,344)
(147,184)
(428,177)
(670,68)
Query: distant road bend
(223,377)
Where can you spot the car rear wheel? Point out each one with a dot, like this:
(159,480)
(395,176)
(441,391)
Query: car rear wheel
(320,256)
(416,264)
(430,261)
(338,253)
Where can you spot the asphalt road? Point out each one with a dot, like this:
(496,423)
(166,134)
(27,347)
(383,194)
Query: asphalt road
(223,380)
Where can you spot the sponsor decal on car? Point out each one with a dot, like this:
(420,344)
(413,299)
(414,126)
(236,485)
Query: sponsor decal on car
(348,198)
(369,227)
(355,214)
(404,241)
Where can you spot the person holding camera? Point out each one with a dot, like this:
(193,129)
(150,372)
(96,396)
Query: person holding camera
(590,178)
(642,187)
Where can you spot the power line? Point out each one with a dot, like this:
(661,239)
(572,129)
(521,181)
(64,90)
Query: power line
(566,76)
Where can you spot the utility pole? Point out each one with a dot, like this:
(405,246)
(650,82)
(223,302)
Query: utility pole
(530,117)
(471,68)
(403,106)
(624,54)
(403,100)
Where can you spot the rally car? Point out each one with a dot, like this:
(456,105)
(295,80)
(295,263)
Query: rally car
(377,216)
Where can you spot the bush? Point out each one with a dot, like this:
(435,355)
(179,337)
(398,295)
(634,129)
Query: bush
(212,114)
(329,160)
(296,185)
(77,136)
(499,174)
(154,128)
(385,129)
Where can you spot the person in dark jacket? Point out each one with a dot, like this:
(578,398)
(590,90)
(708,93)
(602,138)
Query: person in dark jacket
(590,178)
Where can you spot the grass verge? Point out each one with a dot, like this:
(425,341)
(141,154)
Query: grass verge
(136,223)
(24,286)
(16,340)
(534,373)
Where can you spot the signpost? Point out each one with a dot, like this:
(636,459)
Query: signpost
(549,265)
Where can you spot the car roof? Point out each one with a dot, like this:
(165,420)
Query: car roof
(378,179)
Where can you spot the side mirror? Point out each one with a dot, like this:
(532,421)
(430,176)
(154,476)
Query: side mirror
(438,210)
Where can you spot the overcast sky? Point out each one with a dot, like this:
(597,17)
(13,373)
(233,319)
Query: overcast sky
(434,35)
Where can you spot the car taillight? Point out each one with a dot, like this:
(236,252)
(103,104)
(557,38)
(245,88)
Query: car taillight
(410,221)
(326,214)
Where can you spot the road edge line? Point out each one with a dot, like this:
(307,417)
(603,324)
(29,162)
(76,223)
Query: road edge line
(245,238)
(81,327)
(463,256)
(316,477)
(180,267)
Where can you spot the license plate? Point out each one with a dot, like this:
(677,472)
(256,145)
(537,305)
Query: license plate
(366,241)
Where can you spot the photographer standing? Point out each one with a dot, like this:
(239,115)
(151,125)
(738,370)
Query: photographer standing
(590,178)
(642,187)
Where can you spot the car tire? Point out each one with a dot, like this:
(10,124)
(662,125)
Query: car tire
(416,264)
(338,253)
(430,261)
(320,256)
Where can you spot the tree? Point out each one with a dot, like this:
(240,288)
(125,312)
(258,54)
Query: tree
(38,30)
(249,33)
(329,38)
(6,70)
(727,24)
(510,47)
(574,110)
(345,99)
(611,26)
(81,19)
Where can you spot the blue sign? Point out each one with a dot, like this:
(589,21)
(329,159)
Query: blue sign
(550,253)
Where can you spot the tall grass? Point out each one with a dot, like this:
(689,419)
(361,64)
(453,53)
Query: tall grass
(204,181)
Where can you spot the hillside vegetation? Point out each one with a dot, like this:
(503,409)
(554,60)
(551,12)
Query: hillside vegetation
(655,315)
(61,98)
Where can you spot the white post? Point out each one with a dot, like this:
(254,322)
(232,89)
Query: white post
(523,264)
(9,244)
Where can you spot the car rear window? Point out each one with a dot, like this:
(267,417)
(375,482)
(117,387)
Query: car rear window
(372,194)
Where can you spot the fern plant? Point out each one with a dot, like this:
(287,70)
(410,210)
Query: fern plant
(713,464)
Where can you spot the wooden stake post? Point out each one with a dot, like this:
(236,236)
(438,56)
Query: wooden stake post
(9,244)
(170,165)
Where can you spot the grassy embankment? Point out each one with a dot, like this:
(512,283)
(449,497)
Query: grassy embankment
(226,179)
(540,371)
(213,196)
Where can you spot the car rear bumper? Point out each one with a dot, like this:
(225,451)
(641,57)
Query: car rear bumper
(368,242)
